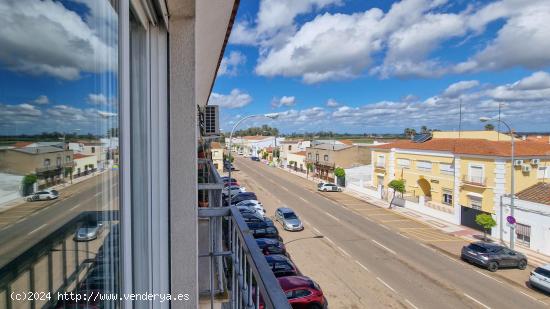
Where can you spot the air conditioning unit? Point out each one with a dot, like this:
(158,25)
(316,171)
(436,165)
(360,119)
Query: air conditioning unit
(535,161)
(526,168)
(211,120)
(518,162)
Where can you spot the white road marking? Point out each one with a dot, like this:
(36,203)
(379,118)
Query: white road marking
(427,247)
(403,235)
(477,301)
(528,295)
(344,251)
(303,199)
(485,275)
(411,304)
(333,217)
(381,245)
(316,230)
(362,266)
(329,240)
(383,226)
(75,206)
(384,283)
(38,228)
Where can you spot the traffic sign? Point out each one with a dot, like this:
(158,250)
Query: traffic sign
(511,220)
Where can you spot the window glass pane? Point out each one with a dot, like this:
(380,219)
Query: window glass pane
(59,150)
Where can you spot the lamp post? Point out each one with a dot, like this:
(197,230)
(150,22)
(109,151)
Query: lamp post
(512,181)
(270,116)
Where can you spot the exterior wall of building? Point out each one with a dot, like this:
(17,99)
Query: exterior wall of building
(533,215)
(299,159)
(20,163)
(217,158)
(471,190)
(80,165)
(489,135)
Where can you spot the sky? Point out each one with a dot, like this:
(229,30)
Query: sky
(58,66)
(382,66)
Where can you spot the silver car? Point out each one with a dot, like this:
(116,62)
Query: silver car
(540,278)
(88,232)
(45,195)
(288,219)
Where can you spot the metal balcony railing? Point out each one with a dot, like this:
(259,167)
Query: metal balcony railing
(475,180)
(250,280)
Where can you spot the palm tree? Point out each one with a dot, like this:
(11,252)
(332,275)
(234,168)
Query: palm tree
(489,127)
(424,129)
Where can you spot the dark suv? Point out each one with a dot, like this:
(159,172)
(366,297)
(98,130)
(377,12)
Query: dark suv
(493,256)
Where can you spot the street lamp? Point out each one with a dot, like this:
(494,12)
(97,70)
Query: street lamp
(512,181)
(269,115)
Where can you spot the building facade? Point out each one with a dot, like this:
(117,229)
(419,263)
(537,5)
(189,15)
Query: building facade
(459,177)
(326,157)
(217,156)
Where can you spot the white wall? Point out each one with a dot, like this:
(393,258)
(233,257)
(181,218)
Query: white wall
(533,214)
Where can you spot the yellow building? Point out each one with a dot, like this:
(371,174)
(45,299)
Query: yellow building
(217,156)
(461,177)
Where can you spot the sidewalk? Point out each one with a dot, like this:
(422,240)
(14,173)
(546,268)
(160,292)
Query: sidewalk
(466,233)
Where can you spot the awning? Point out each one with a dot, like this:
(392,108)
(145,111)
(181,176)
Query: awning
(474,194)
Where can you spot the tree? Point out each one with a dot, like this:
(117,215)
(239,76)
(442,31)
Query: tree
(487,222)
(69,172)
(339,172)
(398,185)
(28,181)
(489,127)
(409,132)
(265,155)
(424,129)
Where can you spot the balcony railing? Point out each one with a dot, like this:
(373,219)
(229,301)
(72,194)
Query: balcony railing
(479,181)
(245,267)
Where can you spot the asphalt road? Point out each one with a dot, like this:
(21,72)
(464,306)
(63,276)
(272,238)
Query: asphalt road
(94,194)
(422,277)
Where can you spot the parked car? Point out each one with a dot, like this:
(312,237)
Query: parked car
(255,223)
(493,256)
(288,219)
(302,292)
(271,246)
(540,278)
(281,265)
(225,179)
(254,158)
(234,190)
(328,187)
(252,204)
(243,196)
(266,232)
(227,184)
(89,232)
(43,195)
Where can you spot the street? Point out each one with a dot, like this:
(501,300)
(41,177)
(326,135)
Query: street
(362,260)
(28,223)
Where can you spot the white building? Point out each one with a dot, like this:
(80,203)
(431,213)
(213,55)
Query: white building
(532,214)
(251,145)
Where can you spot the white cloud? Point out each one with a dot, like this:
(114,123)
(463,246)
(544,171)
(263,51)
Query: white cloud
(459,87)
(98,98)
(235,99)
(535,87)
(41,99)
(400,42)
(283,101)
(332,103)
(229,64)
(45,38)
(538,80)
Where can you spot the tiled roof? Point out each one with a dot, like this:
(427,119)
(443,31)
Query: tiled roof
(256,137)
(300,153)
(77,156)
(474,147)
(346,142)
(216,145)
(21,144)
(539,193)
(335,147)
(39,150)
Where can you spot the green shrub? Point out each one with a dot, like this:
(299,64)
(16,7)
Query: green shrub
(339,172)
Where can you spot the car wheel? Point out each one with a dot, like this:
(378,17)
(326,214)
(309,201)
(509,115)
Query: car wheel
(48,198)
(522,264)
(339,189)
(325,190)
(492,267)
(29,199)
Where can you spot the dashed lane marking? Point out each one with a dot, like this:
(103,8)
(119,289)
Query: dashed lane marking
(384,283)
(362,266)
(344,251)
(38,228)
(381,245)
(333,217)
(410,304)
(477,301)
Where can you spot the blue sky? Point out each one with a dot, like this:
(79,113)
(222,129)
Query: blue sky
(387,65)
(58,66)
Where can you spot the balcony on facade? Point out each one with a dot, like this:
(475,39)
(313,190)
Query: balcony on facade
(476,181)
(232,267)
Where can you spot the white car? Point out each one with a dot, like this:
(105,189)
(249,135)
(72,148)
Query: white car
(234,190)
(252,204)
(43,195)
(326,187)
(540,278)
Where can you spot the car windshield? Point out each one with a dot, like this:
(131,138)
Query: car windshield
(477,248)
(279,266)
(290,215)
(542,271)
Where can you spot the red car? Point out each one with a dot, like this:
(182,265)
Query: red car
(302,292)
